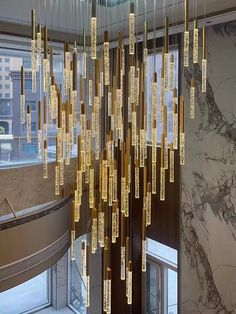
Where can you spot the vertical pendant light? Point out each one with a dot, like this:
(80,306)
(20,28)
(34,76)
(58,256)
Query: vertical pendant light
(204,61)
(84,56)
(166,53)
(73,234)
(33,52)
(181,132)
(186,33)
(39,45)
(106,60)
(94,230)
(45,60)
(192,99)
(29,134)
(131,29)
(45,159)
(22,96)
(195,42)
(87,299)
(40,138)
(172,164)
(162,170)
(93,31)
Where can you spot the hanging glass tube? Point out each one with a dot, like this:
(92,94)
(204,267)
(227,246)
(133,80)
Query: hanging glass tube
(182,134)
(186,33)
(154,96)
(87,299)
(162,173)
(84,56)
(45,160)
(144,261)
(136,178)
(106,60)
(154,178)
(93,31)
(192,99)
(204,61)
(29,134)
(172,163)
(57,179)
(94,231)
(101,226)
(172,72)
(166,53)
(131,29)
(108,291)
(165,137)
(40,138)
(45,61)
(114,223)
(22,96)
(39,45)
(195,42)
(149,204)
(45,126)
(129,283)
(73,234)
(33,52)
(83,259)
(175,125)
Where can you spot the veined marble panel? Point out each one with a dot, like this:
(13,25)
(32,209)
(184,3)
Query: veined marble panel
(208,218)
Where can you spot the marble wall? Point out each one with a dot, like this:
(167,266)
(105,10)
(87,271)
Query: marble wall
(208,217)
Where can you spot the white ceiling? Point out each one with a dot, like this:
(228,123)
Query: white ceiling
(72,15)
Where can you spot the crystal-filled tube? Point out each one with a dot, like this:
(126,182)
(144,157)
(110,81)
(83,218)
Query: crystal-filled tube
(166,70)
(204,75)
(122,263)
(33,65)
(84,65)
(131,33)
(154,178)
(87,292)
(195,44)
(57,179)
(175,130)
(72,245)
(142,147)
(192,102)
(93,38)
(162,184)
(90,92)
(172,164)
(114,226)
(172,72)
(45,161)
(101,226)
(186,48)
(144,260)
(40,140)
(106,63)
(39,47)
(45,75)
(22,109)
(129,287)
(29,133)
(136,179)
(83,259)
(94,236)
(182,148)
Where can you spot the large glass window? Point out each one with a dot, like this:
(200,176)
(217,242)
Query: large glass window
(162,279)
(27,297)
(155,65)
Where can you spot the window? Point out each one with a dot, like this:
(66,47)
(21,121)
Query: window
(7,95)
(28,296)
(7,86)
(7,59)
(5,107)
(0,86)
(162,279)
(154,65)
(30,148)
(0,95)
(0,59)
(7,78)
(7,69)
(28,84)
(0,69)
(76,283)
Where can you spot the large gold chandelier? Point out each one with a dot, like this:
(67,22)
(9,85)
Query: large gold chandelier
(110,131)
